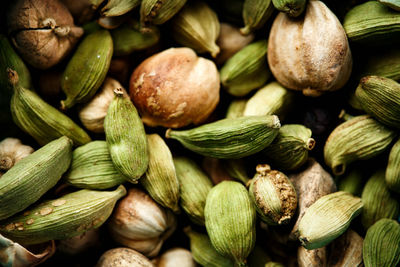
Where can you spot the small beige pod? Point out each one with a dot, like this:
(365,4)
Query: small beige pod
(12,151)
(392,176)
(123,257)
(176,257)
(346,250)
(313,257)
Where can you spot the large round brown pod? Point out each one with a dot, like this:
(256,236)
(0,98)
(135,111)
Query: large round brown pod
(175,88)
(310,53)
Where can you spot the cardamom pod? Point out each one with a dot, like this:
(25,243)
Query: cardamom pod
(115,8)
(62,218)
(382,244)
(176,257)
(236,108)
(229,138)
(158,12)
(359,138)
(197,26)
(273,195)
(18,186)
(352,182)
(274,264)
(313,257)
(123,257)
(92,168)
(126,138)
(392,176)
(372,23)
(273,98)
(230,221)
(160,180)
(87,68)
(346,250)
(293,8)
(378,201)
(80,243)
(236,169)
(246,70)
(203,251)
(383,62)
(328,218)
(380,97)
(12,151)
(39,119)
(194,186)
(393,4)
(255,13)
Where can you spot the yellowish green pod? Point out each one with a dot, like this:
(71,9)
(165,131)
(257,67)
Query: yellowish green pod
(352,182)
(393,4)
(392,176)
(158,12)
(118,7)
(383,62)
(255,14)
(293,8)
(236,108)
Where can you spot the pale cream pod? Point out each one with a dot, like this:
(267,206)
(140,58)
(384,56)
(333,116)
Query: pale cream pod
(176,257)
(12,151)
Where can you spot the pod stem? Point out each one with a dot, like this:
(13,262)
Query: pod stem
(118,91)
(13,78)
(310,144)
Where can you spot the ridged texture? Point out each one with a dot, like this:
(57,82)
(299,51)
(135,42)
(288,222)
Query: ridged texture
(255,13)
(236,108)
(197,26)
(303,57)
(378,201)
(62,218)
(92,168)
(273,98)
(230,138)
(87,68)
(380,97)
(118,7)
(346,250)
(359,138)
(352,182)
(382,244)
(392,176)
(393,4)
(158,12)
(293,8)
(246,70)
(289,150)
(194,186)
(328,218)
(19,186)
(126,138)
(160,180)
(372,23)
(231,220)
(41,120)
(203,251)
(384,62)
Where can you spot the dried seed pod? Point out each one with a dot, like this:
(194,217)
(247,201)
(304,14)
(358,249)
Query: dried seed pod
(220,139)
(87,68)
(293,8)
(392,176)
(118,7)
(39,119)
(359,138)
(80,243)
(274,264)
(303,57)
(236,108)
(92,168)
(328,218)
(197,26)
(43,31)
(383,62)
(314,257)
(393,4)
(12,151)
(175,88)
(126,138)
(194,186)
(378,201)
(380,97)
(273,194)
(57,218)
(346,250)
(255,13)
(123,257)
(246,70)
(231,220)
(160,180)
(18,186)
(352,182)
(236,169)
(382,244)
(138,222)
(176,257)
(111,23)
(158,12)
(83,10)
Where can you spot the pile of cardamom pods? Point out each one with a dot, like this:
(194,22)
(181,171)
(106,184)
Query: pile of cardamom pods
(188,133)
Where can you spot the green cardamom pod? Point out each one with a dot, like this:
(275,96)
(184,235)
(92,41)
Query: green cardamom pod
(230,221)
(359,138)
(229,138)
(380,97)
(118,7)
(392,176)
(372,23)
(19,185)
(274,264)
(92,168)
(158,12)
(255,14)
(381,245)
(293,8)
(236,169)
(289,150)
(160,180)
(273,195)
(39,119)
(246,70)
(328,218)
(203,251)
(383,62)
(378,200)
(87,68)
(271,99)
(126,138)
(235,108)
(393,4)
(197,26)
(352,182)
(62,218)
(194,186)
